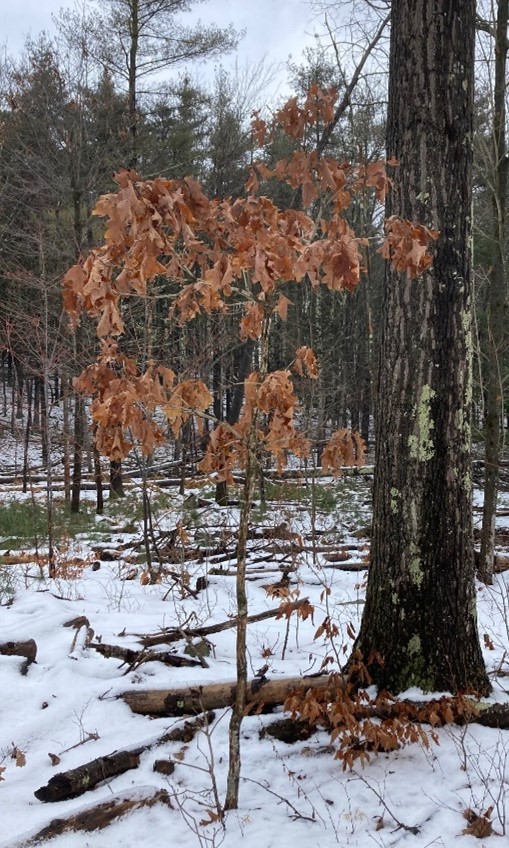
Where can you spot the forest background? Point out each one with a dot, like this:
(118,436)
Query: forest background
(78,107)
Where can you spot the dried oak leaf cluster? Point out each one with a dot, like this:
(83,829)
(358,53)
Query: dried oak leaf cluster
(218,254)
(362,725)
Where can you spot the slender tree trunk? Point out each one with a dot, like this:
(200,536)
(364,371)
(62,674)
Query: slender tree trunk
(99,503)
(46,441)
(19,388)
(420,612)
(37,402)
(67,438)
(221,494)
(234,758)
(13,406)
(77,466)
(5,358)
(116,480)
(133,71)
(242,367)
(44,396)
(497,305)
(28,429)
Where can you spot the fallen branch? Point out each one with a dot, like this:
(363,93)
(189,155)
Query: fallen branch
(176,633)
(135,658)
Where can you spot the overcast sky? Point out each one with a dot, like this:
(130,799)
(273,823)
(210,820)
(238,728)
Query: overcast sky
(276,29)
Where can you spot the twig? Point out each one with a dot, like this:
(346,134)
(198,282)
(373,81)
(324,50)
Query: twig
(296,813)
(415,829)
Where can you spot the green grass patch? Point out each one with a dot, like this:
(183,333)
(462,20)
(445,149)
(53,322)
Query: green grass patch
(26,523)
(324,496)
(130,508)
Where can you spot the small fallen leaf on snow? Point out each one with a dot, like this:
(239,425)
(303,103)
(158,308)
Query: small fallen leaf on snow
(213,817)
(19,757)
(488,642)
(181,754)
(479,826)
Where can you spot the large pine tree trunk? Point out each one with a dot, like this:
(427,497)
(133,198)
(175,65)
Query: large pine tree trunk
(420,610)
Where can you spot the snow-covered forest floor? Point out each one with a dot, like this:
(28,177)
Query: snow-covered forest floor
(67,709)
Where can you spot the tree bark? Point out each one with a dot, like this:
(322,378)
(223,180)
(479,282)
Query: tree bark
(497,304)
(420,612)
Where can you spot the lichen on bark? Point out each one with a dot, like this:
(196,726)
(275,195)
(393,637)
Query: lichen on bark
(420,442)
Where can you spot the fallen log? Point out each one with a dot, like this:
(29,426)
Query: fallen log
(500,562)
(17,559)
(356,565)
(195,699)
(291,730)
(496,715)
(176,633)
(75,782)
(267,694)
(187,731)
(251,573)
(97,817)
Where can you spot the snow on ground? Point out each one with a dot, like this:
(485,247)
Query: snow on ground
(68,704)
